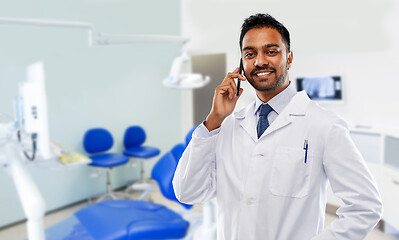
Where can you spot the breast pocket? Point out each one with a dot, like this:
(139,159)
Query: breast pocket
(290,175)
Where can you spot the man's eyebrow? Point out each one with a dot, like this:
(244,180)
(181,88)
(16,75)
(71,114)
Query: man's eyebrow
(271,45)
(265,46)
(248,48)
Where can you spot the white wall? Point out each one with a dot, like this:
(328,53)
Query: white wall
(359,39)
(101,86)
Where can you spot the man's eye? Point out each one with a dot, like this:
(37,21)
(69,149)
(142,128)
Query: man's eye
(272,52)
(248,55)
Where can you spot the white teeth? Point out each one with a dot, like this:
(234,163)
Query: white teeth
(263,73)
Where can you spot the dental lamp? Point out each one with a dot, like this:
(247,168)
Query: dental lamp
(181,77)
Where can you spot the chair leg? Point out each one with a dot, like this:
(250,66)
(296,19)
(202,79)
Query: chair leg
(146,192)
(102,198)
(110,194)
(109,186)
(142,185)
(141,171)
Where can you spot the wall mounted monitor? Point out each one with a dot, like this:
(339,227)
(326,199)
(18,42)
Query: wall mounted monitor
(323,88)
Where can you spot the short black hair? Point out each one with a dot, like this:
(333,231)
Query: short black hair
(265,20)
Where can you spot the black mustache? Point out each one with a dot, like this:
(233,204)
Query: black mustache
(263,68)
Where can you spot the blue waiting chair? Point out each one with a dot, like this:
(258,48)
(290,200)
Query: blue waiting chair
(97,142)
(133,142)
(129,219)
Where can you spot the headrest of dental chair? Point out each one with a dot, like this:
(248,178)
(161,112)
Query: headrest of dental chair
(189,135)
(177,151)
(164,170)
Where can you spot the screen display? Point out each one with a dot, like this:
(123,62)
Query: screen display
(321,87)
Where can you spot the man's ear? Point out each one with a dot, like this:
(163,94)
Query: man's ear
(289,59)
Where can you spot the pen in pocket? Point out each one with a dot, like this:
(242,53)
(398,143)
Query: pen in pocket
(305,147)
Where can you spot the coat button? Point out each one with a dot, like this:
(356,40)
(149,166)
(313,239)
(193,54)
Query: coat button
(259,155)
(250,201)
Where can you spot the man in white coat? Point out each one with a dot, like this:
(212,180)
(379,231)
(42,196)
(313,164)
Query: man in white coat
(269,164)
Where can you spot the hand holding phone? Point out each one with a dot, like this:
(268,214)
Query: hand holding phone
(224,100)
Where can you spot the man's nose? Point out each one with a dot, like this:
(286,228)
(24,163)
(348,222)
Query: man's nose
(261,60)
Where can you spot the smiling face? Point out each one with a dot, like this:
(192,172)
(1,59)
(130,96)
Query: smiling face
(266,61)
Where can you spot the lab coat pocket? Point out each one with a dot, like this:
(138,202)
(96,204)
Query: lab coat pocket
(290,175)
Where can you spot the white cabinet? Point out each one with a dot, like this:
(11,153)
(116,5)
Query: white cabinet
(390,183)
(371,146)
(390,196)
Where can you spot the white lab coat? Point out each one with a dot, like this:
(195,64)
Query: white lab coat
(264,188)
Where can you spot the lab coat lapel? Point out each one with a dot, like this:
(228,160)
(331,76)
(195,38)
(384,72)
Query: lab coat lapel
(296,107)
(281,121)
(248,120)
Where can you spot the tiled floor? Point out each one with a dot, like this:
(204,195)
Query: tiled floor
(18,231)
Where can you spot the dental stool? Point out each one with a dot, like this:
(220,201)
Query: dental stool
(97,141)
(133,141)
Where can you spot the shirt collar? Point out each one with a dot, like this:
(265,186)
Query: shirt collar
(278,102)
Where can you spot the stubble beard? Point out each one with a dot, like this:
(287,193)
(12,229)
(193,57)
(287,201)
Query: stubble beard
(273,86)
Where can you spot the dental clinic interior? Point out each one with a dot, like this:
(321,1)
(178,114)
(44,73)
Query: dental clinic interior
(99,98)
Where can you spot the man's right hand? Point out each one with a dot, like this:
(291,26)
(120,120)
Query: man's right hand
(224,100)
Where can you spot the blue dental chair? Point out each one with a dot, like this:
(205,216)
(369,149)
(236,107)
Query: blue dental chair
(130,219)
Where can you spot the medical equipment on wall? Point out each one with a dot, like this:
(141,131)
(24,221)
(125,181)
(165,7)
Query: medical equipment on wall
(31,121)
(33,104)
(179,77)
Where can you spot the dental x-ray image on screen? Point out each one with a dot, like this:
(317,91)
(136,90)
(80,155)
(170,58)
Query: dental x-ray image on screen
(321,87)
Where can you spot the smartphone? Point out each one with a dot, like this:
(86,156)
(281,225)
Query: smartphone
(240,69)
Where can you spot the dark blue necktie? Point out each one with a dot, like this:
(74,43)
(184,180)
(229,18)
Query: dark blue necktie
(263,123)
